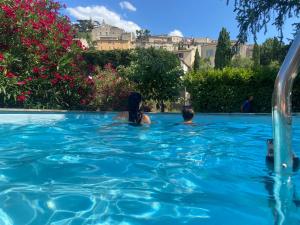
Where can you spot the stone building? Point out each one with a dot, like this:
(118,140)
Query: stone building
(107,37)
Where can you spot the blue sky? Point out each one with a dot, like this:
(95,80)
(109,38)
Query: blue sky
(191,18)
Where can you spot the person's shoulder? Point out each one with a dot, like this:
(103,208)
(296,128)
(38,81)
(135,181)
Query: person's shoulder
(146,119)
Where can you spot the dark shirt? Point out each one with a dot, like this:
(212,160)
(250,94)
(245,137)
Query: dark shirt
(247,107)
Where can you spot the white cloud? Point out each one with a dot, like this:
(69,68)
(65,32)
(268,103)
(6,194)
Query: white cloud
(128,6)
(176,33)
(100,13)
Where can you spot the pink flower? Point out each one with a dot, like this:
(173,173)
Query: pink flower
(21,83)
(1,57)
(54,81)
(82,101)
(21,98)
(35,70)
(43,76)
(10,75)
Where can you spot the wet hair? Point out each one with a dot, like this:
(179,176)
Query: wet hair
(187,113)
(134,110)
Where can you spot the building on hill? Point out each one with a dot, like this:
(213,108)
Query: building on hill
(169,43)
(106,45)
(107,37)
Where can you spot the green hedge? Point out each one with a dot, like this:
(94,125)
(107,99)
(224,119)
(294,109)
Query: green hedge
(225,90)
(114,57)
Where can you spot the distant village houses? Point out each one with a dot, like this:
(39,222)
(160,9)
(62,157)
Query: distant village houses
(105,37)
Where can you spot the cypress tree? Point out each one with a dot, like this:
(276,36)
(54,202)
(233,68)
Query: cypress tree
(223,52)
(197,60)
(256,55)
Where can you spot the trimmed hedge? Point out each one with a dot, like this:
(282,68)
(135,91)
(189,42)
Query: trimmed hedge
(114,57)
(225,90)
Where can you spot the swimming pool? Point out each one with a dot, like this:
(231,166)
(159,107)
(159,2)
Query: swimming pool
(81,168)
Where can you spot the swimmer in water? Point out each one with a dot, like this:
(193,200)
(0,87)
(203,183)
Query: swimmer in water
(135,115)
(187,114)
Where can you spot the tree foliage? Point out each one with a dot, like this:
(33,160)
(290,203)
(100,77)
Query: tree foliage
(223,52)
(157,74)
(241,62)
(84,26)
(114,57)
(196,65)
(272,50)
(142,35)
(253,16)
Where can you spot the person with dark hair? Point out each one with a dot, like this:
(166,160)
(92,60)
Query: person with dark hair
(187,114)
(247,105)
(135,115)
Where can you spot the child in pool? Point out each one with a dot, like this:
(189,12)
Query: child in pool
(188,114)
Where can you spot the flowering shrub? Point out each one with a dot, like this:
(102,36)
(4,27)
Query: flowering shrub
(111,90)
(40,63)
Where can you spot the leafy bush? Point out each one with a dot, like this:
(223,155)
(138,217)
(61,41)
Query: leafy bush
(40,64)
(225,90)
(156,73)
(111,90)
(114,57)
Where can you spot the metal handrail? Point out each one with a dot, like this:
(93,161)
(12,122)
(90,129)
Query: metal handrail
(282,108)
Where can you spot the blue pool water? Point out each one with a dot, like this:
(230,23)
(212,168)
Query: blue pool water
(71,169)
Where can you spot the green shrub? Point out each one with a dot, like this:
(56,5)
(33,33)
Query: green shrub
(225,90)
(114,57)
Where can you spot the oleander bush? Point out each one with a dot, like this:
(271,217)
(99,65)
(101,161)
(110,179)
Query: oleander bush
(111,90)
(41,66)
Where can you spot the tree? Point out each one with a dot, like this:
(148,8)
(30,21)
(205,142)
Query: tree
(157,74)
(253,15)
(272,50)
(256,55)
(223,53)
(239,62)
(205,64)
(84,25)
(197,60)
(142,35)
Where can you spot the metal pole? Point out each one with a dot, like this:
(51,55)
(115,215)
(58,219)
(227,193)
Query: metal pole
(281,111)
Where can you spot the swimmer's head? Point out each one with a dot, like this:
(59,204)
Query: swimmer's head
(187,113)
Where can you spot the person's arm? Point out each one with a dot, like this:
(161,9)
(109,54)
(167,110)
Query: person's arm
(121,116)
(146,119)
